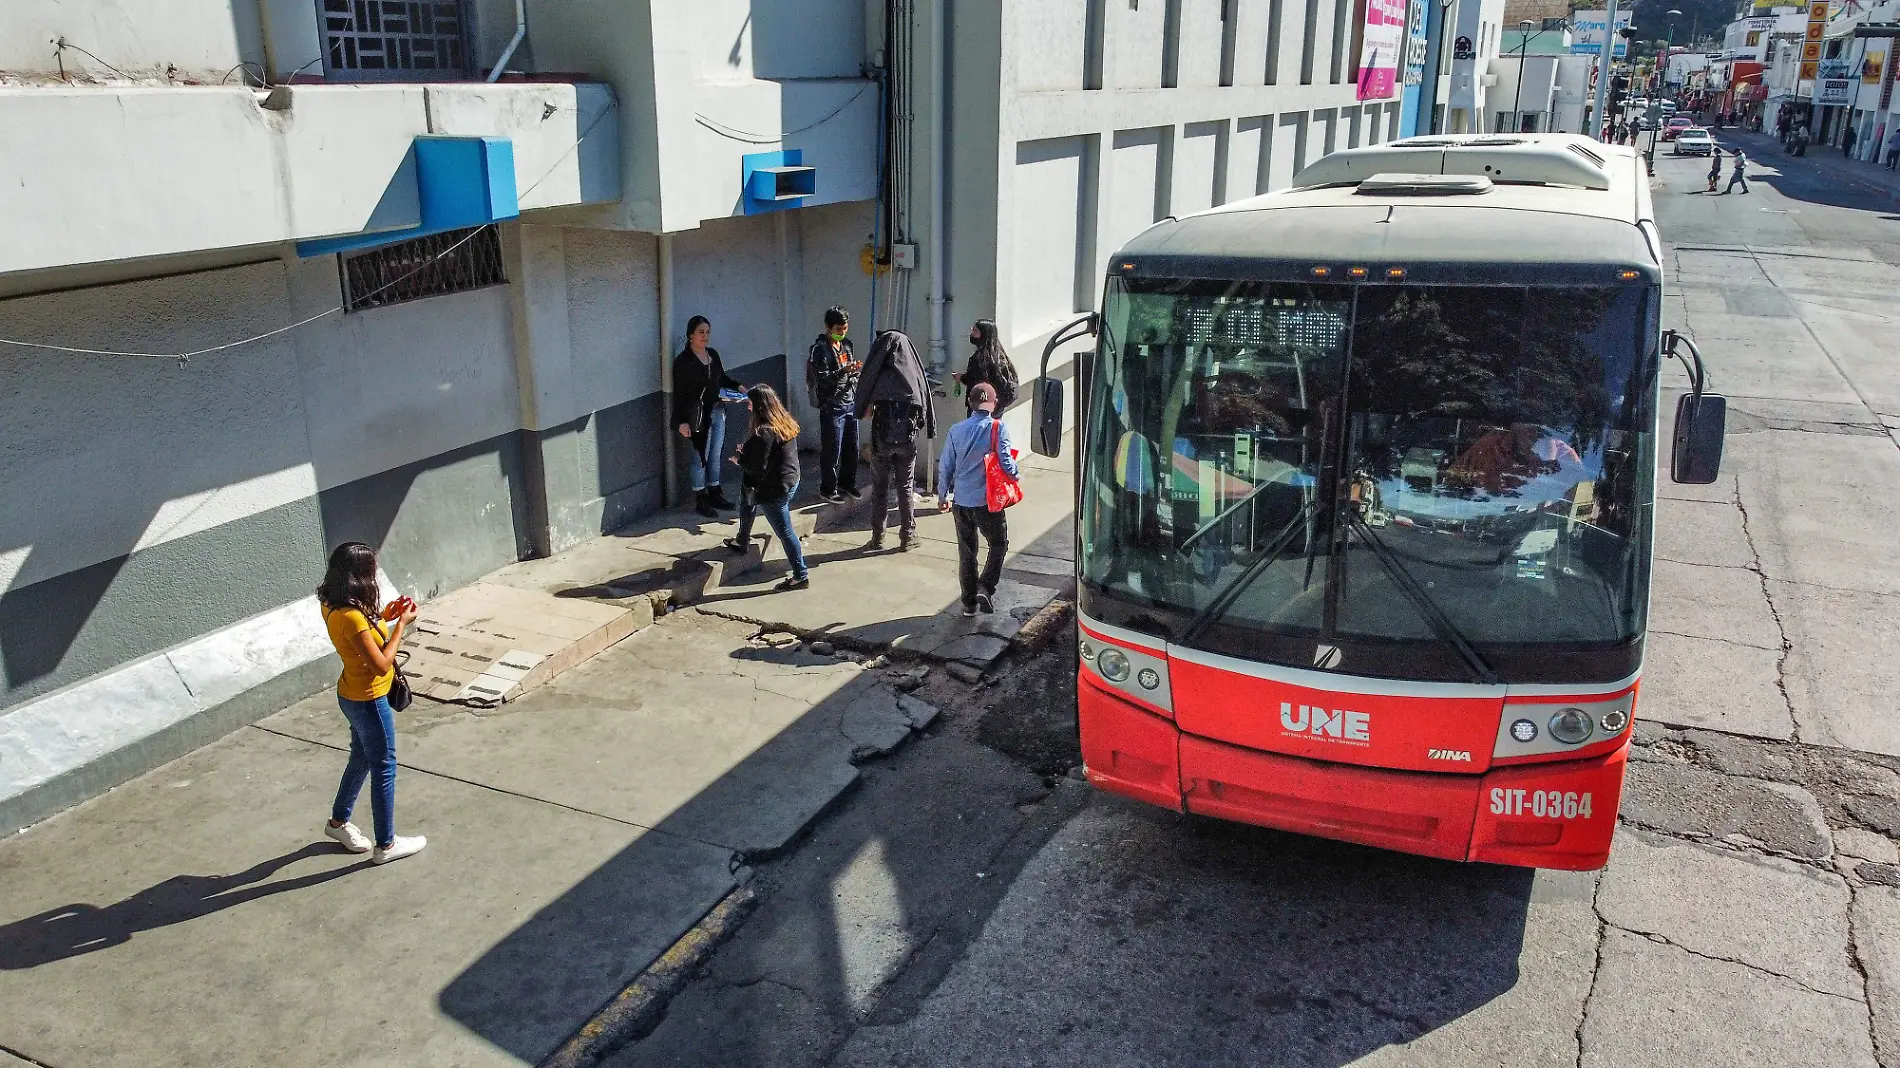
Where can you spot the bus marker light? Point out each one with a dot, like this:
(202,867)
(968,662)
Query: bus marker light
(1149,678)
(1128,266)
(1356,272)
(1524,730)
(1614,721)
(1087,651)
(1322,272)
(1628,276)
(1113,665)
(1395,273)
(1571,726)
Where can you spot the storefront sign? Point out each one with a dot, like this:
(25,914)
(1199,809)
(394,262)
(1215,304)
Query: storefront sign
(1461,49)
(1591,27)
(1415,48)
(1834,91)
(1379,57)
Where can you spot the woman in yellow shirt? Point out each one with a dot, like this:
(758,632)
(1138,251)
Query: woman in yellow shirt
(351,604)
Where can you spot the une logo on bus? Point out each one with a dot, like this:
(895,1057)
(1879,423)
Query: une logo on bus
(1339,723)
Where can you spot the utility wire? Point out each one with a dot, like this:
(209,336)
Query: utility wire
(750,138)
(182,357)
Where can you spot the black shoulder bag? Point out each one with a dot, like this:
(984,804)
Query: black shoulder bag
(399,696)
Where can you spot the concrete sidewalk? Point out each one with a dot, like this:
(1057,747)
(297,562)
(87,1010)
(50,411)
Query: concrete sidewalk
(195,916)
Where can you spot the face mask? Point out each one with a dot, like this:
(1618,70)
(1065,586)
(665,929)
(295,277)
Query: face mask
(837,337)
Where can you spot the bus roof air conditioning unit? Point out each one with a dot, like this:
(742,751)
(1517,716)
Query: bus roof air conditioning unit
(1545,160)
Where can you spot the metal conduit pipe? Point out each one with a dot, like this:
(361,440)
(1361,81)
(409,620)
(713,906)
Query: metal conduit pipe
(669,431)
(521,31)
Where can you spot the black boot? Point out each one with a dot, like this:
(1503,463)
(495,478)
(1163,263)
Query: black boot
(702,503)
(717,495)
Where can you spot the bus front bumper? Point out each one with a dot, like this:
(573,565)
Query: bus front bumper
(1559,814)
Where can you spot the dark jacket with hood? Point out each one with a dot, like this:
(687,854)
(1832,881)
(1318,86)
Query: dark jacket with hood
(768,465)
(989,363)
(696,389)
(894,379)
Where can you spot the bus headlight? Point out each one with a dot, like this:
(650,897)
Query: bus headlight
(1571,726)
(1614,721)
(1524,730)
(1149,678)
(1113,665)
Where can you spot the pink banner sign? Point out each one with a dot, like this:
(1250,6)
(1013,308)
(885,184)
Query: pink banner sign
(1382,52)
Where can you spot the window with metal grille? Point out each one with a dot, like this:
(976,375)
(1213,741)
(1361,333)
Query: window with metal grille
(432,266)
(394,40)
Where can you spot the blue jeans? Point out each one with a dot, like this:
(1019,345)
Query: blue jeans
(705,463)
(372,755)
(778,516)
(837,451)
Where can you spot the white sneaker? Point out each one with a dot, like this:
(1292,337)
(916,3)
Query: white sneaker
(349,837)
(400,848)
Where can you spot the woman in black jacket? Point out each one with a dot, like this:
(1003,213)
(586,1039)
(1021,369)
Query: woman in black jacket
(698,376)
(989,363)
(768,462)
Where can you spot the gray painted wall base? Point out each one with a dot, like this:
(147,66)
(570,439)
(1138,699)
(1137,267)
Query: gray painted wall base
(128,762)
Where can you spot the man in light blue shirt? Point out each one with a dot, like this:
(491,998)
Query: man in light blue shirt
(960,476)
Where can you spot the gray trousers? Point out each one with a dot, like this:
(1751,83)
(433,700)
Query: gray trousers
(894,464)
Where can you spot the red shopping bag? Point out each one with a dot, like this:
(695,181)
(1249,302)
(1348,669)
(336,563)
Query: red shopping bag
(999,486)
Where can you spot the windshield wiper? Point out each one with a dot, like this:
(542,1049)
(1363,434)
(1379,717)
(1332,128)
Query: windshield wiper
(1435,617)
(1225,597)
(1227,511)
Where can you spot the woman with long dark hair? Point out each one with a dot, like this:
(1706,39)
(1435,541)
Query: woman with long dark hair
(353,613)
(768,462)
(698,376)
(989,363)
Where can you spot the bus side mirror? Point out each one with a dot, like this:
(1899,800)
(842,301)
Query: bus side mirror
(1048,414)
(1700,420)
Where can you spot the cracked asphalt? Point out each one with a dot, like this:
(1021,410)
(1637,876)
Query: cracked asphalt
(972,904)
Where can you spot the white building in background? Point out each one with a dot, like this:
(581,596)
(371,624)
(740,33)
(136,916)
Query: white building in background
(434,310)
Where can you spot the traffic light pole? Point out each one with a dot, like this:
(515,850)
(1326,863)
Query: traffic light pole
(1606,57)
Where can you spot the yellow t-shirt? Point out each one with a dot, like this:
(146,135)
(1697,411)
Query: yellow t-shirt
(359,681)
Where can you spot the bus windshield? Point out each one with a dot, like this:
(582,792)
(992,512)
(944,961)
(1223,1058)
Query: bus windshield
(1428,482)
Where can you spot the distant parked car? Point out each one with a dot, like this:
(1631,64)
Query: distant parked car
(1674,127)
(1694,141)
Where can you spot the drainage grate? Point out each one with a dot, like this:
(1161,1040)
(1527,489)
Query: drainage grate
(394,40)
(432,266)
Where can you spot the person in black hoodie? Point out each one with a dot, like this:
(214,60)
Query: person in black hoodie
(989,363)
(768,463)
(698,376)
(831,381)
(895,396)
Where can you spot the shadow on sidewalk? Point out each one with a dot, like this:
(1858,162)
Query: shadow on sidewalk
(76,929)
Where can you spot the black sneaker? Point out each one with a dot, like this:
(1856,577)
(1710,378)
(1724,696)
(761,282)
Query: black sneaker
(984,603)
(854,494)
(718,499)
(875,545)
(738,547)
(969,610)
(832,497)
(789,584)
(905,545)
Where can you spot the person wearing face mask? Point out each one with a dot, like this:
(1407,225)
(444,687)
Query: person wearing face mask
(831,381)
(989,363)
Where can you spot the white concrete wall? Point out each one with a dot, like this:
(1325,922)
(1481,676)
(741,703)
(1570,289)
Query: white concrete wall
(82,186)
(201,40)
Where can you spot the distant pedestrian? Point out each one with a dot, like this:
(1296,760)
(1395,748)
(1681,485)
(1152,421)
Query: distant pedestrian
(989,363)
(1802,136)
(961,477)
(1893,148)
(895,396)
(1715,166)
(1740,174)
(699,414)
(831,379)
(1847,142)
(768,466)
(353,613)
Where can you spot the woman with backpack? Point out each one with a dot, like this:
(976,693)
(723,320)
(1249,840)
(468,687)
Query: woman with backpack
(989,363)
(354,615)
(768,464)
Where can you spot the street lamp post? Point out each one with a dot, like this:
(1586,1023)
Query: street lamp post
(1517,97)
(1662,84)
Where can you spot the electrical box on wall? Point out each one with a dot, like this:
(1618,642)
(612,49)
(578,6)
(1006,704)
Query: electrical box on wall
(774,181)
(904,256)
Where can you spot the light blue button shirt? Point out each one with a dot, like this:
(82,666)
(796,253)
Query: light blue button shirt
(960,470)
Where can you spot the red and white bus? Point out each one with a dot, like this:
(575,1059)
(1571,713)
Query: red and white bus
(1364,499)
